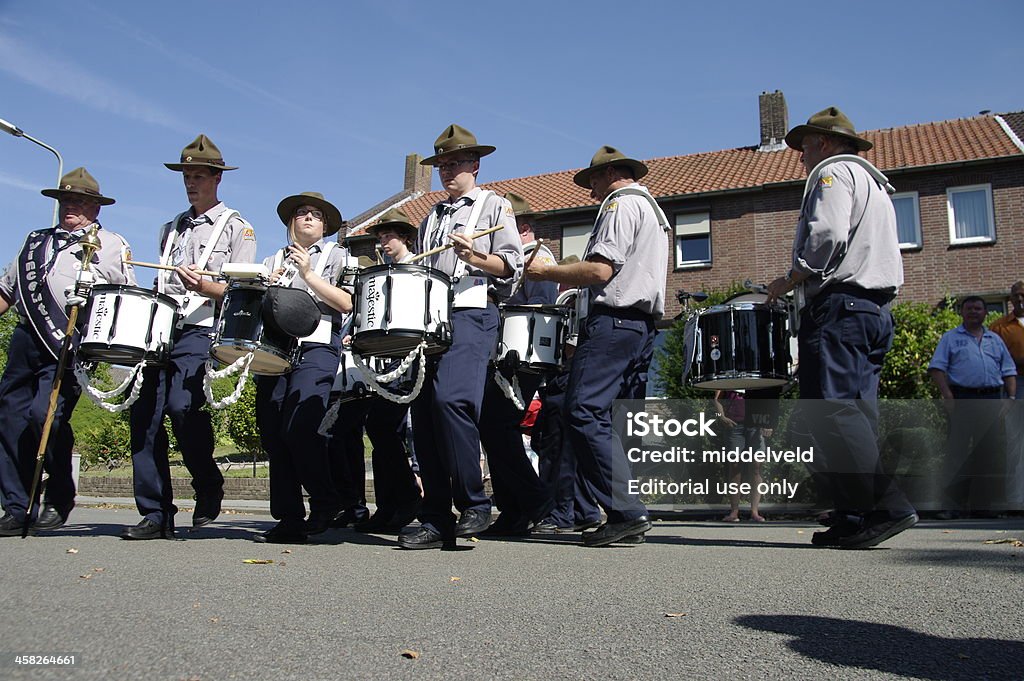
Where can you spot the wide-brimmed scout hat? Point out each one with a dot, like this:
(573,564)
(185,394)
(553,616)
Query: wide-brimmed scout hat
(608,156)
(79,181)
(201,152)
(830,121)
(332,216)
(522,209)
(455,138)
(394,218)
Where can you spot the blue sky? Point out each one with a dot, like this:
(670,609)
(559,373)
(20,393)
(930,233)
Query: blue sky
(331,96)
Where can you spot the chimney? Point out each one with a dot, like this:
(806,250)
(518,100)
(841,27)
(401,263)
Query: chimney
(774,120)
(417,177)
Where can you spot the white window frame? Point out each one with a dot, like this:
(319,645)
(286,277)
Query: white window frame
(692,224)
(987,189)
(574,240)
(913,196)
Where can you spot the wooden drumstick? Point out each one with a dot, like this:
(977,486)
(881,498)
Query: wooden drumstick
(529,261)
(434,251)
(156,266)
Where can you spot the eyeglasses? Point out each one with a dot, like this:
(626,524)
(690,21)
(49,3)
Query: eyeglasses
(451,165)
(77,200)
(317,214)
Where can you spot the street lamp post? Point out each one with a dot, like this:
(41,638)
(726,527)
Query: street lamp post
(12,129)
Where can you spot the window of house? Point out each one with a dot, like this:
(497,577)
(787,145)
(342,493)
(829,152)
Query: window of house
(908,219)
(574,240)
(971,219)
(693,239)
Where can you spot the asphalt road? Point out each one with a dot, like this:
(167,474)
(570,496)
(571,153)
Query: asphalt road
(699,600)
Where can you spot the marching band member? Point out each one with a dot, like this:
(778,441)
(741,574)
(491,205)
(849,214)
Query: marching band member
(446,414)
(394,484)
(289,408)
(518,492)
(203,237)
(40,284)
(622,275)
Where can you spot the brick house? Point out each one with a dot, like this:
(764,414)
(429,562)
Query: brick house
(959,200)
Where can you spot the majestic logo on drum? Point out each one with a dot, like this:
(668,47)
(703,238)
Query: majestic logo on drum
(242,313)
(371,300)
(100,313)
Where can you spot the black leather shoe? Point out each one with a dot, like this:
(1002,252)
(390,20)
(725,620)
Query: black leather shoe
(207,508)
(349,517)
(147,529)
(840,527)
(633,539)
(283,533)
(422,538)
(319,521)
(876,533)
(550,527)
(50,518)
(378,522)
(586,525)
(508,525)
(609,533)
(472,523)
(12,527)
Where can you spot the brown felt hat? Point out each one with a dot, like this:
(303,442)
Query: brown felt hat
(608,156)
(80,182)
(830,121)
(455,138)
(201,152)
(521,207)
(395,218)
(332,216)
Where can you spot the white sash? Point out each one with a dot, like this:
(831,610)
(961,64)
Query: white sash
(193,309)
(469,291)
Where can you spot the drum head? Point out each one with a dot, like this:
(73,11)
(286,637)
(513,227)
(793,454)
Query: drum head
(747,297)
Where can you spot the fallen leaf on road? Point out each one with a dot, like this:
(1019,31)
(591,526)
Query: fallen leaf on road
(72,550)
(257,561)
(409,654)
(85,576)
(195,605)
(947,532)
(474,539)
(215,619)
(287,551)
(454,579)
(98,569)
(1009,540)
(675,614)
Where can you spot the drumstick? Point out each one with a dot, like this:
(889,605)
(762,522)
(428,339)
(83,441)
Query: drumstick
(155,266)
(529,261)
(434,251)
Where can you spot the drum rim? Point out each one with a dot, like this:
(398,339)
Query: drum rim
(744,306)
(158,357)
(250,346)
(126,287)
(404,266)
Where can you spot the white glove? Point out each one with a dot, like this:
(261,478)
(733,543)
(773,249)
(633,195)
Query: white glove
(78,293)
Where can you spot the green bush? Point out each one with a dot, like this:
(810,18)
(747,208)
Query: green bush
(240,421)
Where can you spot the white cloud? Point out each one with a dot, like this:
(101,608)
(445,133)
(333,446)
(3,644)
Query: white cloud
(66,79)
(17,183)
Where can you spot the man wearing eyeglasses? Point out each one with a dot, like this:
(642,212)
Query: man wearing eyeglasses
(203,237)
(446,415)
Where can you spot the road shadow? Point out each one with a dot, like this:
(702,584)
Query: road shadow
(894,650)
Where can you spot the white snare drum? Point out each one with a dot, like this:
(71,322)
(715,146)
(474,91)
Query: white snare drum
(531,337)
(126,324)
(570,300)
(348,382)
(398,306)
(240,330)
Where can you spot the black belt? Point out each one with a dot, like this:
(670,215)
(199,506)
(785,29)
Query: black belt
(976,391)
(623,312)
(877,296)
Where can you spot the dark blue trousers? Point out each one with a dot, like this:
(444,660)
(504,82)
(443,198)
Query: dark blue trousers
(574,503)
(844,335)
(177,391)
(394,483)
(445,421)
(518,490)
(289,410)
(24,401)
(347,456)
(611,361)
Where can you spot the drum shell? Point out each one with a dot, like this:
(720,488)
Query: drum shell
(536,333)
(240,330)
(126,324)
(397,306)
(741,345)
(348,381)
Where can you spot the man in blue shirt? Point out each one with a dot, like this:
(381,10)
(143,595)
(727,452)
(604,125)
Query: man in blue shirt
(970,364)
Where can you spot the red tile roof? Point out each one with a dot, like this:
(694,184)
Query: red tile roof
(965,139)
